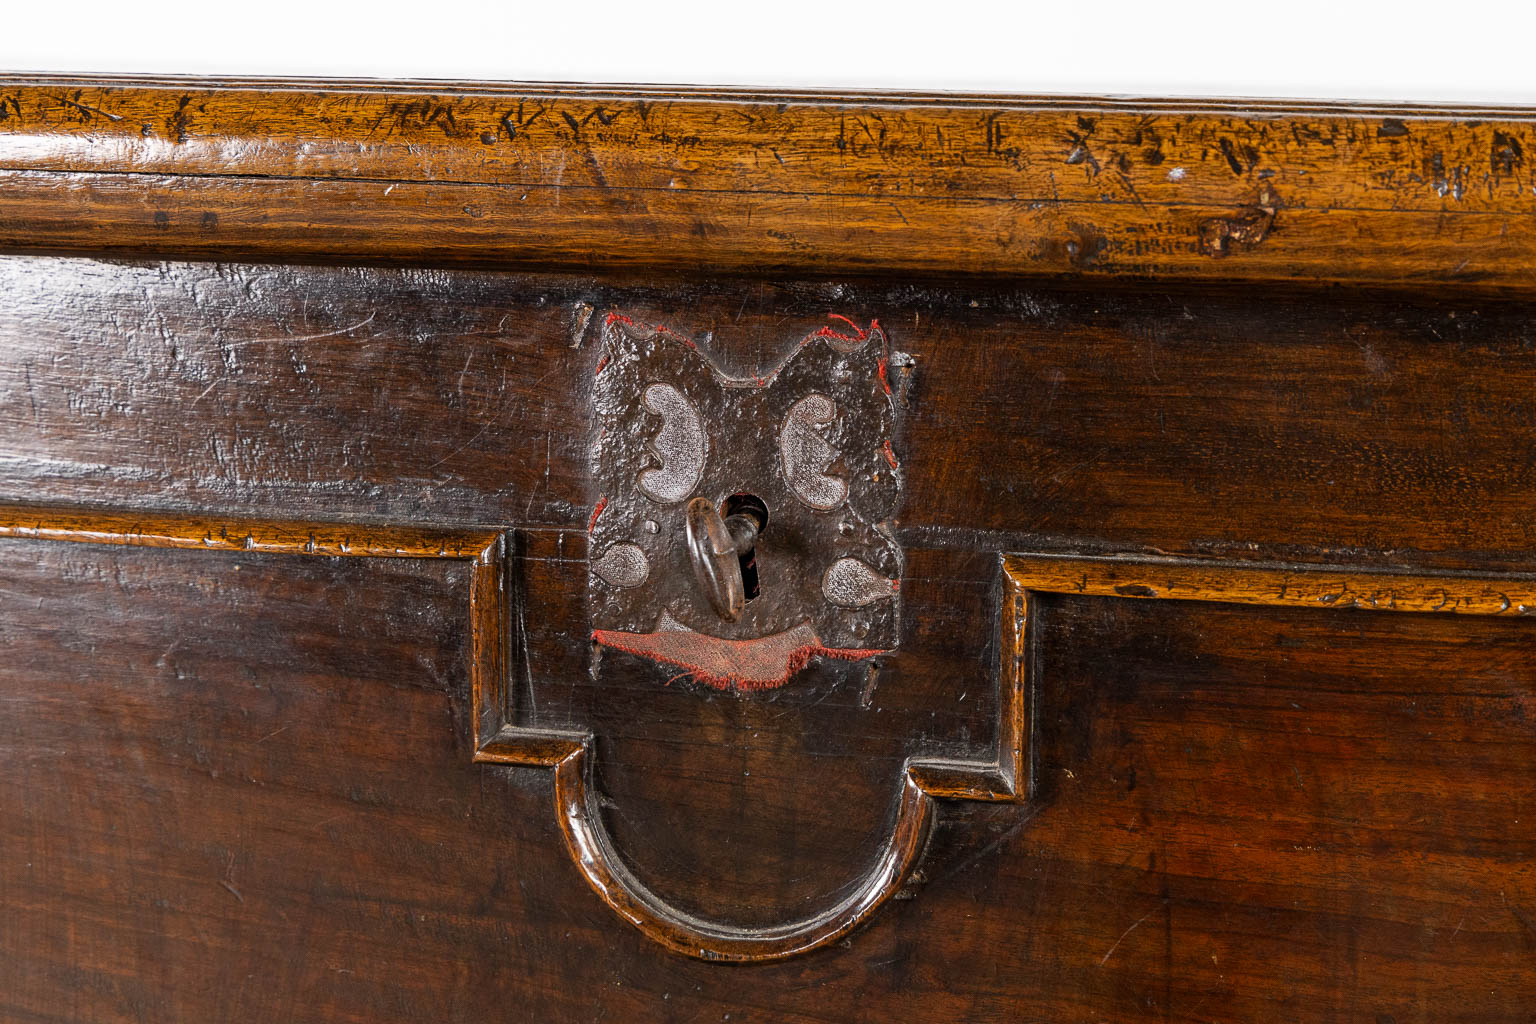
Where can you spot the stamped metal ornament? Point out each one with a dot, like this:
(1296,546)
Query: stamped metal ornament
(743,525)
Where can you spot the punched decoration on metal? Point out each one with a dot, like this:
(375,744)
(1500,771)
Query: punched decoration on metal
(743,523)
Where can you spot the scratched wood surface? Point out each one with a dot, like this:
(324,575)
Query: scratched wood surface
(226,768)
(1241,390)
(709,179)
(1375,429)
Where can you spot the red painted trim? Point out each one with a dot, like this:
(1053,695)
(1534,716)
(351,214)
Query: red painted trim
(632,643)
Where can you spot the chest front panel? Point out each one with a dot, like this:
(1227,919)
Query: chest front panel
(1117,638)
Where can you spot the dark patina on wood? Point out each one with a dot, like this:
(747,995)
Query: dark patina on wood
(716,179)
(1208,695)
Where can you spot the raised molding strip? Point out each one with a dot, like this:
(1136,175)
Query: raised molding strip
(500,740)
(768,181)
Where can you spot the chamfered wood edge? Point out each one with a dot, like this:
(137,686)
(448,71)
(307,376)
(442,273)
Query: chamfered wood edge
(492,554)
(616,90)
(1274,584)
(1004,778)
(265,536)
(785,182)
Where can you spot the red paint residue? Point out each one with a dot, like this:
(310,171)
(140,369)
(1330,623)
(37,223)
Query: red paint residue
(764,663)
(620,318)
(668,332)
(859,334)
(602,503)
(890,456)
(609,321)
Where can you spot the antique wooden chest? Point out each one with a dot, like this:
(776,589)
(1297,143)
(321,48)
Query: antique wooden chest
(479,553)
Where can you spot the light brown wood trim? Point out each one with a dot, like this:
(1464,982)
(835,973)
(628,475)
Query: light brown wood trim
(267,536)
(1008,776)
(734,180)
(1296,586)
(485,550)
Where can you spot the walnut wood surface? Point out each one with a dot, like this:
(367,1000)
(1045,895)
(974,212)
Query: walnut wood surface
(1067,703)
(501,565)
(1213,695)
(719,179)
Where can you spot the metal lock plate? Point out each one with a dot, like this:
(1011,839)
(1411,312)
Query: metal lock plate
(812,440)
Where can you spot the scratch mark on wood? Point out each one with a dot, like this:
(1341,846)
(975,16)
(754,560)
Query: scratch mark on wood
(1123,934)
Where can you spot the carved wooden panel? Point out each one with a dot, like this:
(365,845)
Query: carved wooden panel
(501,587)
(1133,499)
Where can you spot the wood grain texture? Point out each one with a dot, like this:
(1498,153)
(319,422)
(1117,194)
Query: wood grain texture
(262,536)
(261,764)
(1213,696)
(1294,586)
(1222,794)
(506,734)
(1190,422)
(715,180)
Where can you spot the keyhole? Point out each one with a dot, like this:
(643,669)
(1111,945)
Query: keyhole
(747,507)
(716,541)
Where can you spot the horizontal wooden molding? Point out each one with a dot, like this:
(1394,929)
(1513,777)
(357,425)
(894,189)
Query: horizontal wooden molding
(770,182)
(1260,583)
(267,536)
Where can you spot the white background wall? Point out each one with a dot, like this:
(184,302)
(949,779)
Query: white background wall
(1445,51)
